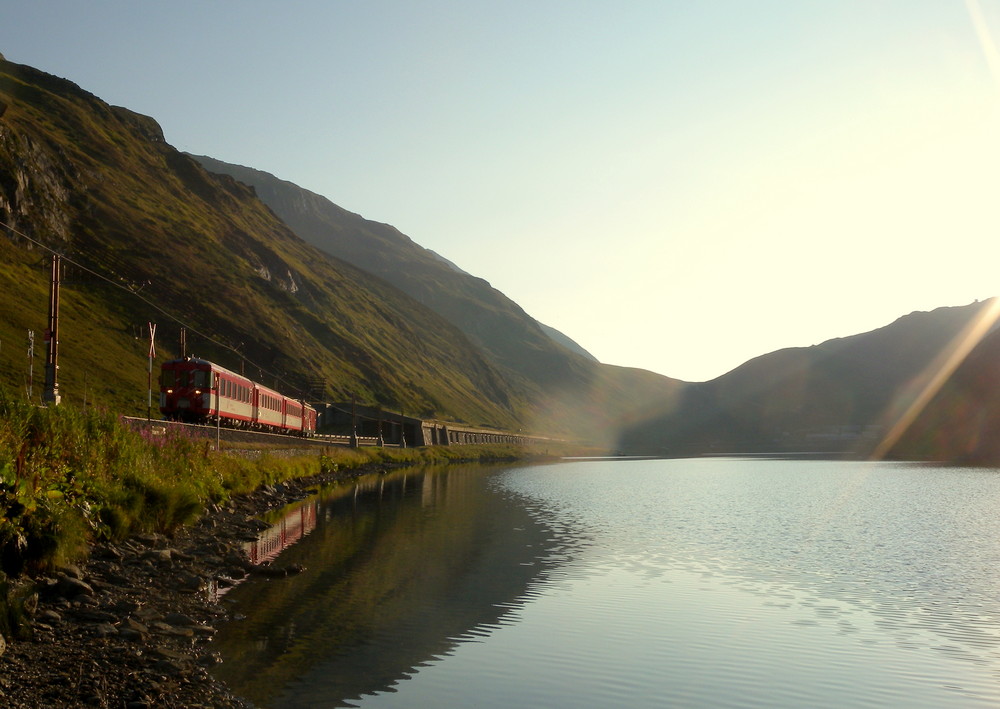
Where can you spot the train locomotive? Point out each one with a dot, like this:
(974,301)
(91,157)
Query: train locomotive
(195,390)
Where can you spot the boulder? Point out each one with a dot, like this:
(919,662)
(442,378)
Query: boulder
(49,617)
(179,619)
(71,570)
(69,587)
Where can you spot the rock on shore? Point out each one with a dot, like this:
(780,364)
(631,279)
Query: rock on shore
(132,626)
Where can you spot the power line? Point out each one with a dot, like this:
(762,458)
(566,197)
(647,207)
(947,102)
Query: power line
(154,306)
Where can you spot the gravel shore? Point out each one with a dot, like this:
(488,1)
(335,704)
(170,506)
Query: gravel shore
(132,626)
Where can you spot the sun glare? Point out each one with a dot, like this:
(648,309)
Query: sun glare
(939,371)
(990,52)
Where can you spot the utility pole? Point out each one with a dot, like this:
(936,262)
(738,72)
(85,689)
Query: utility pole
(184,342)
(31,361)
(51,393)
(354,420)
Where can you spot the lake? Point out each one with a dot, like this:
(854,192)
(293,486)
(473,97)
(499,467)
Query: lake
(714,582)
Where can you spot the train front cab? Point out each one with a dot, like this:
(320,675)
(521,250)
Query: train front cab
(186,390)
(197,391)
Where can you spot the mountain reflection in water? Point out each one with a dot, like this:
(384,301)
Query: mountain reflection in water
(399,568)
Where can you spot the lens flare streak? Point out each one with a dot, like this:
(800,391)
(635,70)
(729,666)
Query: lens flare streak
(939,371)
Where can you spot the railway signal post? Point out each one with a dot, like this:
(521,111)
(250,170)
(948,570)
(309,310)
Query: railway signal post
(152,356)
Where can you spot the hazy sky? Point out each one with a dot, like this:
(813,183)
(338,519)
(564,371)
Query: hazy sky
(679,186)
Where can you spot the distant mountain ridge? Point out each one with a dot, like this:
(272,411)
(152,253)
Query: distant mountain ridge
(548,372)
(388,253)
(838,395)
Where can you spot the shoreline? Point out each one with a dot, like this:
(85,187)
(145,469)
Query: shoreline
(132,625)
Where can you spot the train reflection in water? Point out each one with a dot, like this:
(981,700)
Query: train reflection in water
(295,524)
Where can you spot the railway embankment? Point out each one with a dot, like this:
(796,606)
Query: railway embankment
(114,549)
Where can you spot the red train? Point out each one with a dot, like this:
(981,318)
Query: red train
(198,391)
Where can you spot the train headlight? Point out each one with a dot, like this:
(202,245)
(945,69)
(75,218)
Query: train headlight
(197,392)
(170,391)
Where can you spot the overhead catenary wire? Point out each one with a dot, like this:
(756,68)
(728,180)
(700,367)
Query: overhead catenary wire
(151,304)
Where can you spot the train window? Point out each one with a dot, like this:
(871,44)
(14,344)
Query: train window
(200,379)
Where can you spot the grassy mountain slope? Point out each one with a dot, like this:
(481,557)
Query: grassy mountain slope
(99,184)
(802,398)
(489,318)
(562,382)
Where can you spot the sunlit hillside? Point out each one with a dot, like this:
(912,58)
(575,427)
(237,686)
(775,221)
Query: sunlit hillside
(151,236)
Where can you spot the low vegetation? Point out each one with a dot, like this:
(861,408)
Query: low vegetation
(70,477)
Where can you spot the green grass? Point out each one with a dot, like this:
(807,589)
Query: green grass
(69,477)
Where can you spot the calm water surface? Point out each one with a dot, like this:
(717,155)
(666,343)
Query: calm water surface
(652,583)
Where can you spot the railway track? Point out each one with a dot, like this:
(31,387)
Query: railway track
(155,428)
